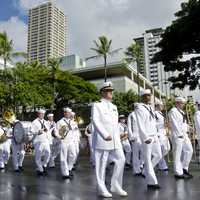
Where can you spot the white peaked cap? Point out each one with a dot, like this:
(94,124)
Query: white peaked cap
(180,99)
(147,91)
(41,111)
(50,115)
(107,86)
(67,109)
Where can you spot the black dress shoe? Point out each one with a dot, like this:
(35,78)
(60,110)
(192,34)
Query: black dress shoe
(74,169)
(140,174)
(128,165)
(21,168)
(2,168)
(153,187)
(45,171)
(187,174)
(39,173)
(179,176)
(66,177)
(17,171)
(71,173)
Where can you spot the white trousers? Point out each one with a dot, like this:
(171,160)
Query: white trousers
(4,153)
(101,157)
(67,157)
(165,148)
(152,155)
(18,154)
(92,159)
(127,149)
(182,152)
(42,155)
(55,151)
(137,156)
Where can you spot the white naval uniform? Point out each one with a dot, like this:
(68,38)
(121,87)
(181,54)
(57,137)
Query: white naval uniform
(54,142)
(88,132)
(182,147)
(77,136)
(147,129)
(197,125)
(134,137)
(125,143)
(68,151)
(4,151)
(164,141)
(41,143)
(105,124)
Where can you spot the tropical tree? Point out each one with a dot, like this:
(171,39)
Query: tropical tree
(125,101)
(54,65)
(134,55)
(180,47)
(103,49)
(6,49)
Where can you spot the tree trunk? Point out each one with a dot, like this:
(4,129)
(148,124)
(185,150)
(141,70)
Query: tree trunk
(105,68)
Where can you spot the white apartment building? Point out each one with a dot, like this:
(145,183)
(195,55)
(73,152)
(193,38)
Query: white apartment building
(47,28)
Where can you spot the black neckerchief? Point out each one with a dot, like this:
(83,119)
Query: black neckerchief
(160,114)
(68,124)
(42,124)
(124,126)
(150,111)
(183,114)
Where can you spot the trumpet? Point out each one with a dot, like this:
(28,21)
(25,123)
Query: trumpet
(63,131)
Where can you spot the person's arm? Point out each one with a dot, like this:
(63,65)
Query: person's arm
(96,118)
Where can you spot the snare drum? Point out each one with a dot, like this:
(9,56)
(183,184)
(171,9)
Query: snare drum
(21,132)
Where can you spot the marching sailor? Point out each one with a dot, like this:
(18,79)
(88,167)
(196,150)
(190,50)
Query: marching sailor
(77,136)
(68,151)
(162,135)
(4,147)
(182,147)
(148,133)
(39,128)
(54,140)
(134,137)
(197,122)
(123,130)
(106,142)
(88,133)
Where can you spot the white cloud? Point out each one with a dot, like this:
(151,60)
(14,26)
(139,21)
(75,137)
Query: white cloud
(121,20)
(17,31)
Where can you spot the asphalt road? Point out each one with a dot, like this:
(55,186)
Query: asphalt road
(27,186)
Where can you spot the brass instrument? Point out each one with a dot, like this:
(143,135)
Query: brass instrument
(9,116)
(63,131)
(3,136)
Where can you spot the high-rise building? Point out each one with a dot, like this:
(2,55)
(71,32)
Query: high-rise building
(46,33)
(153,72)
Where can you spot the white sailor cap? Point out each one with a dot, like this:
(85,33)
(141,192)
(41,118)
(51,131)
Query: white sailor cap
(50,115)
(180,99)
(121,116)
(73,113)
(42,111)
(144,92)
(136,104)
(107,86)
(67,109)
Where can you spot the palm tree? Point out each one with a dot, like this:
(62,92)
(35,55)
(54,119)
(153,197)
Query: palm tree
(103,49)
(134,54)
(6,49)
(54,65)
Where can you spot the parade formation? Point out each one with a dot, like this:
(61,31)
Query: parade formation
(140,141)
